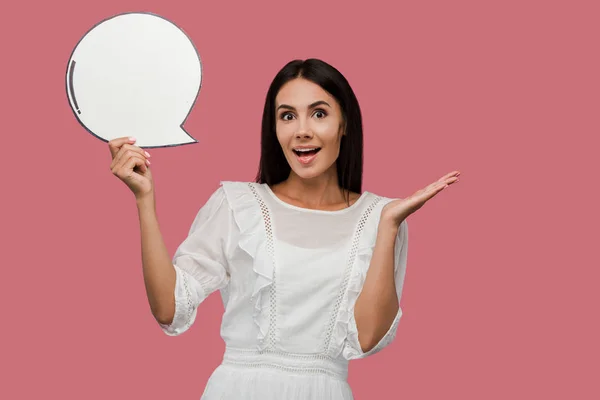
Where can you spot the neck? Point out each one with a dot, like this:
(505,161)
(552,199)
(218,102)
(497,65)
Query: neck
(318,192)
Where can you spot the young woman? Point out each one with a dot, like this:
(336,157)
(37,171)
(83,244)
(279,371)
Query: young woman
(310,268)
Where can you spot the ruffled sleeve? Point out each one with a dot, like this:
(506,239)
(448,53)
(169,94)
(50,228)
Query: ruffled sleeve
(252,218)
(352,349)
(200,263)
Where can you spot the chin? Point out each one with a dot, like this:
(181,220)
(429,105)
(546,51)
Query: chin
(308,173)
(316,168)
(312,172)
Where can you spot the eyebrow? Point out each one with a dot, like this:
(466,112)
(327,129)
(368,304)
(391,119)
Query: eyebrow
(313,105)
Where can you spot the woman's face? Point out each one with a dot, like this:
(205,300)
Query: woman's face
(309,127)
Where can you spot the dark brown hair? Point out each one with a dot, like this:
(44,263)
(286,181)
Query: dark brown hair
(273,167)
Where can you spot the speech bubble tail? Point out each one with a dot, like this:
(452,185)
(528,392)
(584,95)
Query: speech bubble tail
(176,137)
(181,136)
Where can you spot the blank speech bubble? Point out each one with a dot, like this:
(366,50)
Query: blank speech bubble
(135,74)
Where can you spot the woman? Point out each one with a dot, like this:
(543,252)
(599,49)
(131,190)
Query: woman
(310,268)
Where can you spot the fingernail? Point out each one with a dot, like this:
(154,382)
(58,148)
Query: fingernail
(147,154)
(148,162)
(131,139)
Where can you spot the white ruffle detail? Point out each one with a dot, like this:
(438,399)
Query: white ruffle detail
(351,348)
(254,241)
(185,298)
(344,329)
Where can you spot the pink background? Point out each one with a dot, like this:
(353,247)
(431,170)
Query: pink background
(501,297)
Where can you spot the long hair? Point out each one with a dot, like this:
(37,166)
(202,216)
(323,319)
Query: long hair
(273,167)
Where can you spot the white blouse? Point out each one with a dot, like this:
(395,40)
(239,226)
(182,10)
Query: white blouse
(289,278)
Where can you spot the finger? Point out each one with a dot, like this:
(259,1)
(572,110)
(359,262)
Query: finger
(136,162)
(450,175)
(128,150)
(114,145)
(137,165)
(129,147)
(127,170)
(430,192)
(435,185)
(120,156)
(452,180)
(448,182)
(434,189)
(130,159)
(441,186)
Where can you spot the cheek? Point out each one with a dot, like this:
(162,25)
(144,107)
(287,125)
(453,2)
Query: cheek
(332,149)
(284,133)
(331,136)
(328,130)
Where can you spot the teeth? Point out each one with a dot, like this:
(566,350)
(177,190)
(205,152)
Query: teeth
(303,150)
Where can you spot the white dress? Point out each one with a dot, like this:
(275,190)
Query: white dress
(289,278)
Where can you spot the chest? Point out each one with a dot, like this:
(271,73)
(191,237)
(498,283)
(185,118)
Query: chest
(304,273)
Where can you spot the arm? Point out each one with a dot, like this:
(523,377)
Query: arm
(131,165)
(377,304)
(382,286)
(159,273)
(199,264)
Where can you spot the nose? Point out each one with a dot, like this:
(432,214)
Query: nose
(304,133)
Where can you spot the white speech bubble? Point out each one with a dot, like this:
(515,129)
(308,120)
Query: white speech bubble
(135,74)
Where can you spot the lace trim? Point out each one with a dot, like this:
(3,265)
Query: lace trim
(283,368)
(348,272)
(350,352)
(290,362)
(188,297)
(183,315)
(270,247)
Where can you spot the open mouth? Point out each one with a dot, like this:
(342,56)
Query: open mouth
(306,155)
(306,152)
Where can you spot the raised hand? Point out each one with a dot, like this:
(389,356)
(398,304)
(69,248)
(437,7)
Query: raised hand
(130,164)
(396,211)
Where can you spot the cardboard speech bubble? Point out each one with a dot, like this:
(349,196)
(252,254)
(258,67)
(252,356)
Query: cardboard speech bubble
(135,74)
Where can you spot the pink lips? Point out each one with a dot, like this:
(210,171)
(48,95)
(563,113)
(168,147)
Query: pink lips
(306,154)
(306,159)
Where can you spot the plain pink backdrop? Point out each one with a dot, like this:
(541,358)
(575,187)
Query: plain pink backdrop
(501,297)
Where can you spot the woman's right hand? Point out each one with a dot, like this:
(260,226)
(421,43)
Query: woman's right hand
(130,164)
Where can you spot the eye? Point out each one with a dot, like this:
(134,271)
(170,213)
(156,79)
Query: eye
(285,116)
(320,114)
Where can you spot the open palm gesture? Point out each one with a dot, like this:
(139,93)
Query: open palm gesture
(396,211)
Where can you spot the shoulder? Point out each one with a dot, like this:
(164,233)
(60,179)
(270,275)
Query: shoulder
(234,191)
(380,199)
(235,184)
(227,198)
(241,197)
(379,196)
(225,195)
(378,202)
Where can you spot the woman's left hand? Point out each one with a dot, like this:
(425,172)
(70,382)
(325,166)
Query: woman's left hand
(396,211)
